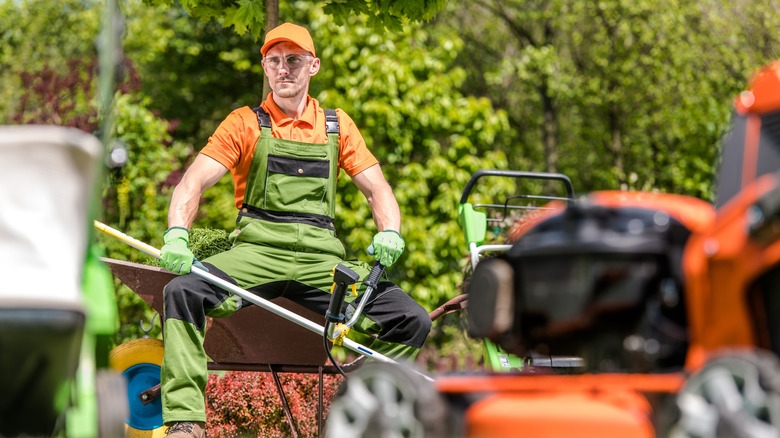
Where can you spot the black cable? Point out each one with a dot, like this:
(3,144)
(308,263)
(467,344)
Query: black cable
(327,350)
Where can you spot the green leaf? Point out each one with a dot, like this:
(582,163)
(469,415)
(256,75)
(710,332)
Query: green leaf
(250,14)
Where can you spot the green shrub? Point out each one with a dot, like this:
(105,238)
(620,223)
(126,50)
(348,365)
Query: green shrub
(246,404)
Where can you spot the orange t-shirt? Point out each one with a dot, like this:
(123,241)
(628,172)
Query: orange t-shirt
(233,143)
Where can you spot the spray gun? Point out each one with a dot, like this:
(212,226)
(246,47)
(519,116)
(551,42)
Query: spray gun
(343,277)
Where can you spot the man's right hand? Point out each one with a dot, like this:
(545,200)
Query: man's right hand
(175,254)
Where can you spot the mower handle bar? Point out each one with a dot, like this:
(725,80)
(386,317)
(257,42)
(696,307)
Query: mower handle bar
(517,174)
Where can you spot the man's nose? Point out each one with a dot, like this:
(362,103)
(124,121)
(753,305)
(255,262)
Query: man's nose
(283,67)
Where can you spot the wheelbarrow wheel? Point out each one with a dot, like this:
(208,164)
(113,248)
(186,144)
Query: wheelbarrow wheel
(386,401)
(735,394)
(139,361)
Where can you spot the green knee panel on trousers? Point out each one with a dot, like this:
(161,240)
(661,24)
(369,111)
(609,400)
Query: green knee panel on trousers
(183,398)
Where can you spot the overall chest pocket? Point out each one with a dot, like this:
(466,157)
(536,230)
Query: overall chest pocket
(296,184)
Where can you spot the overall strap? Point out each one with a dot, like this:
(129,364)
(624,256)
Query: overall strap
(331,120)
(263,119)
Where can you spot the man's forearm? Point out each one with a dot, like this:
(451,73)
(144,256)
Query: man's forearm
(384,207)
(385,210)
(184,206)
(202,174)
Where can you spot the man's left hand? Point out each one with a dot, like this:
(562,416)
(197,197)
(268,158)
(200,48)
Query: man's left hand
(387,247)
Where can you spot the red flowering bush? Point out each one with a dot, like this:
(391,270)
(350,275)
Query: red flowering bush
(246,404)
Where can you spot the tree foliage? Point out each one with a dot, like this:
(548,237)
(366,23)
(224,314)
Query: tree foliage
(617,93)
(47,78)
(192,71)
(249,15)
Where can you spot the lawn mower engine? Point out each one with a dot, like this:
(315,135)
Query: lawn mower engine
(600,280)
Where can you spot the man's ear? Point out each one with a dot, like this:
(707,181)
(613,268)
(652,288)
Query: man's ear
(315,67)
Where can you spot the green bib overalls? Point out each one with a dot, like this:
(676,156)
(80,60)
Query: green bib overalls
(284,245)
(290,198)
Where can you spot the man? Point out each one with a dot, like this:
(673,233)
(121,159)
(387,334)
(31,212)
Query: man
(284,158)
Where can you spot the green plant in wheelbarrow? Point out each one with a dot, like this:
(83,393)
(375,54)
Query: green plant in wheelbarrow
(203,242)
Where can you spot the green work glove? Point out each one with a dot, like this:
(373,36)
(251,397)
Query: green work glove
(175,254)
(387,247)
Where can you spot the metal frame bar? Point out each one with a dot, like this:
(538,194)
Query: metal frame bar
(285,403)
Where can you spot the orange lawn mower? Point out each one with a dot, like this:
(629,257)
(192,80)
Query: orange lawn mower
(669,301)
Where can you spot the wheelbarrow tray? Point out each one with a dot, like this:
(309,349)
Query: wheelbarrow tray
(251,339)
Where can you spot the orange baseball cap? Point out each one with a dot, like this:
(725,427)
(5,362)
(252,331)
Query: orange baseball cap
(289,32)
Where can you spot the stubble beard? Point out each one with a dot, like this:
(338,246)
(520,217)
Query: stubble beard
(288,89)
